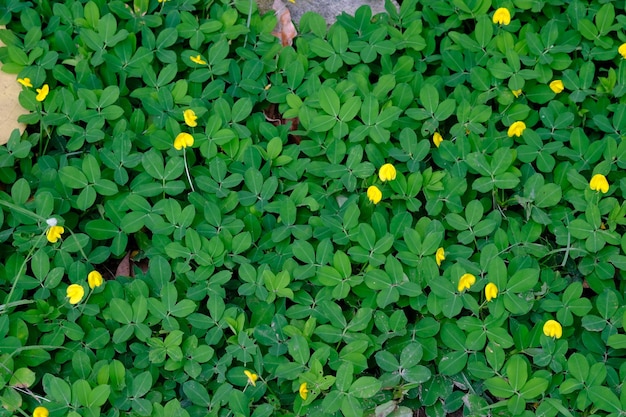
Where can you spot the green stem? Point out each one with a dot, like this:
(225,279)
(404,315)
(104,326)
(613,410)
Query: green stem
(187,169)
(22,210)
(19,273)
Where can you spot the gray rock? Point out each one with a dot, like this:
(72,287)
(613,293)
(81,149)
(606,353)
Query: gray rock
(329,9)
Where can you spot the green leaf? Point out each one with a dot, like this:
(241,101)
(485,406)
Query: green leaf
(329,101)
(429,96)
(365,387)
(499,387)
(452,363)
(197,393)
(523,280)
(517,372)
(604,399)
(99,396)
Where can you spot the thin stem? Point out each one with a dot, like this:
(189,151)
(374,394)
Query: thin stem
(187,169)
(19,273)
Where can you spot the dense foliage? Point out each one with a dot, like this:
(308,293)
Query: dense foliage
(422,209)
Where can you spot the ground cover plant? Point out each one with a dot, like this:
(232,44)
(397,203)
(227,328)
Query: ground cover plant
(421,210)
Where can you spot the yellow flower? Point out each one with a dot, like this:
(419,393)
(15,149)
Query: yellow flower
(95,279)
(75,293)
(387,172)
(553,328)
(42,92)
(183,140)
(491,291)
(440,255)
(517,93)
(622,50)
(190,118)
(198,60)
(40,412)
(252,377)
(502,16)
(374,194)
(466,281)
(557,86)
(26,83)
(599,183)
(437,139)
(516,129)
(304,392)
(54,233)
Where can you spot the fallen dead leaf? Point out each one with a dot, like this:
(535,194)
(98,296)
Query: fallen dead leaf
(10,108)
(123,268)
(285,29)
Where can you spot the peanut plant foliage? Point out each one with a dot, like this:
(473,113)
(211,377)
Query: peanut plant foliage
(418,210)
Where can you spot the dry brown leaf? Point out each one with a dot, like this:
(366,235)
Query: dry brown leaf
(285,30)
(123,269)
(10,108)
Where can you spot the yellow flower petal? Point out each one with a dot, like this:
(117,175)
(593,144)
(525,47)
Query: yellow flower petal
(304,392)
(42,92)
(387,172)
(440,255)
(252,377)
(198,60)
(26,83)
(40,412)
(183,140)
(517,93)
(491,291)
(437,139)
(374,194)
(94,279)
(622,50)
(516,129)
(190,118)
(599,183)
(553,328)
(75,293)
(466,281)
(502,16)
(557,86)
(53,234)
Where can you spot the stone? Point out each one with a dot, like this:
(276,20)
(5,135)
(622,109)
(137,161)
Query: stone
(328,9)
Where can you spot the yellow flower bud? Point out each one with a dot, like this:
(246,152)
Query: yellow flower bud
(437,139)
(599,183)
(466,281)
(42,92)
(252,377)
(190,118)
(387,172)
(374,194)
(440,255)
(53,234)
(304,392)
(491,291)
(94,279)
(517,93)
(557,86)
(75,293)
(622,50)
(26,83)
(183,140)
(198,60)
(553,328)
(502,16)
(516,129)
(40,412)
